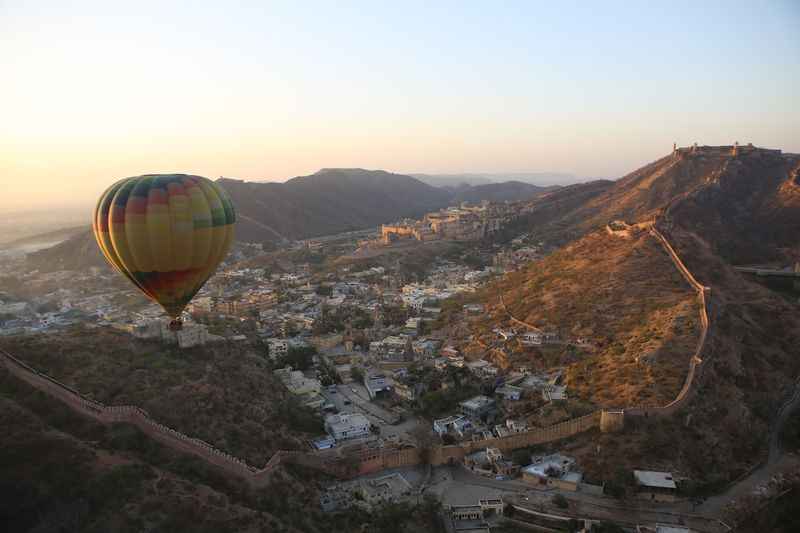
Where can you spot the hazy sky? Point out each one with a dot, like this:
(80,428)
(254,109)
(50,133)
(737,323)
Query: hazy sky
(95,91)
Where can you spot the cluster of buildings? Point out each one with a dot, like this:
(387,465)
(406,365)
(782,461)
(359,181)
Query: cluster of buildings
(306,388)
(347,426)
(476,420)
(284,309)
(478,416)
(191,333)
(366,494)
(58,299)
(462,223)
(520,253)
(474,518)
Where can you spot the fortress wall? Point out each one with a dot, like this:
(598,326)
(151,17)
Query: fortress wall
(340,466)
(704,299)
(696,363)
(447,454)
(131,414)
(52,387)
(568,428)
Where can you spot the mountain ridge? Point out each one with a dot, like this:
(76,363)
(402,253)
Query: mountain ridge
(332,200)
(717,207)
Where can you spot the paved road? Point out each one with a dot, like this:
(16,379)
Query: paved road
(786,410)
(457,485)
(359,403)
(777,462)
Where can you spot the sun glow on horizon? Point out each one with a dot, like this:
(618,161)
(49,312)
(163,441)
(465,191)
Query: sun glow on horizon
(95,92)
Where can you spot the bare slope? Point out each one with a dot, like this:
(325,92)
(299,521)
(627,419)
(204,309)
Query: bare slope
(748,204)
(223,394)
(717,211)
(625,298)
(330,201)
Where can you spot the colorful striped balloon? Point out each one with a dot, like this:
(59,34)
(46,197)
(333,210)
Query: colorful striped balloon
(166,233)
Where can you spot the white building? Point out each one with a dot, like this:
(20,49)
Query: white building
(190,334)
(455,424)
(277,348)
(509,392)
(554,393)
(553,470)
(655,486)
(297,383)
(14,308)
(532,338)
(346,426)
(477,406)
(376,384)
(482,368)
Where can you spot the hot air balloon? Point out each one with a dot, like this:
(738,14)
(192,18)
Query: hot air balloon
(166,233)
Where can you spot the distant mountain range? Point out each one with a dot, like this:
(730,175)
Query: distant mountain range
(330,201)
(342,199)
(541,179)
(508,191)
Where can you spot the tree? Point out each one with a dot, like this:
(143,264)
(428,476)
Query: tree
(324,290)
(616,486)
(424,328)
(357,374)
(298,357)
(521,457)
(607,527)
(394,315)
(424,440)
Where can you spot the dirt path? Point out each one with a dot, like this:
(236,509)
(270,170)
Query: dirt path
(786,410)
(715,506)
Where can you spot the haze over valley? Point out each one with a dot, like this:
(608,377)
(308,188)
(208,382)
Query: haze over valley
(537,267)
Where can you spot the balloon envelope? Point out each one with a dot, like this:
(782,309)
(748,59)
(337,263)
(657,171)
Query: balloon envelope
(166,233)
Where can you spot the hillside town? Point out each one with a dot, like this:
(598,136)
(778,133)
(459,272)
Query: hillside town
(419,380)
(365,347)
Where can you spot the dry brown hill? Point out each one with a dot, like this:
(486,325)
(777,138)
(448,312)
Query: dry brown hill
(717,211)
(624,297)
(749,202)
(335,200)
(224,394)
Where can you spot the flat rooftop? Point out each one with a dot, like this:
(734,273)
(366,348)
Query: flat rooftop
(661,480)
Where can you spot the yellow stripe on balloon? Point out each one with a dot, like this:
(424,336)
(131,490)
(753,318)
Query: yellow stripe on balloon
(166,233)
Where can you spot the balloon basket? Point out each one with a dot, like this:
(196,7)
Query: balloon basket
(176,324)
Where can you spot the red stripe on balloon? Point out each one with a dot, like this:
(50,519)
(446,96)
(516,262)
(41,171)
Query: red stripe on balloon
(157,196)
(136,205)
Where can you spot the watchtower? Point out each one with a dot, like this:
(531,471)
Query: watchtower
(612,420)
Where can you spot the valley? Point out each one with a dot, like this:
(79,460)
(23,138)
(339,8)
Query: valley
(612,335)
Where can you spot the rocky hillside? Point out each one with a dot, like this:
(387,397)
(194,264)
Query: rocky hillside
(624,296)
(223,394)
(748,202)
(330,201)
